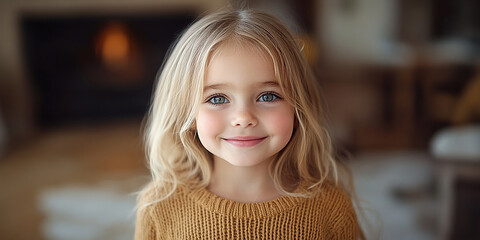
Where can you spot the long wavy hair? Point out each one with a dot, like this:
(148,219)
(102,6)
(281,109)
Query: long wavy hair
(174,152)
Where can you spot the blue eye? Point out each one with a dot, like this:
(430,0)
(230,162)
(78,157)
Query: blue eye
(268,97)
(218,100)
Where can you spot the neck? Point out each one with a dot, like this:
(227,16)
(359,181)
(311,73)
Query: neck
(242,184)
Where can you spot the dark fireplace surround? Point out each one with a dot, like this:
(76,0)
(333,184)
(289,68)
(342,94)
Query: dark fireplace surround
(90,68)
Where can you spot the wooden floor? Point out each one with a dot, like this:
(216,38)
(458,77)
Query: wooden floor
(70,155)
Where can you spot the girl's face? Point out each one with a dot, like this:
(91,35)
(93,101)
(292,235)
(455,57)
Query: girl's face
(243,118)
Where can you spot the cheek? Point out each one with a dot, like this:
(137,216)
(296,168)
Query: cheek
(209,124)
(282,121)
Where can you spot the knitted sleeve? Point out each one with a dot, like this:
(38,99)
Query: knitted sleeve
(146,219)
(144,227)
(343,219)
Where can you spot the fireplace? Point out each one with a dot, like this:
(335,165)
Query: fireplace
(89,68)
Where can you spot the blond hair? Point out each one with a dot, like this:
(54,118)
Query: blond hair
(175,154)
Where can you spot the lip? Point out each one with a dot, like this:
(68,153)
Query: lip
(244,141)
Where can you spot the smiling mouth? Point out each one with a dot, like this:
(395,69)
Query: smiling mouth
(245,141)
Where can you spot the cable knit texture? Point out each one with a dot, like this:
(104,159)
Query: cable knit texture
(199,214)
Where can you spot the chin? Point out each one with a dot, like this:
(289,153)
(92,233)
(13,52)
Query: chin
(247,161)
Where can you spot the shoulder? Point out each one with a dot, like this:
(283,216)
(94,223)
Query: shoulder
(154,197)
(331,197)
(331,192)
(336,199)
(153,210)
(337,208)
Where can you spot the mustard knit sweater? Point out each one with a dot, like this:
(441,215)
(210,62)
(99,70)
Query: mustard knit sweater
(199,214)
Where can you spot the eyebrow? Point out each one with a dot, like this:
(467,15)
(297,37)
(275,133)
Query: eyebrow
(223,85)
(215,86)
(270,83)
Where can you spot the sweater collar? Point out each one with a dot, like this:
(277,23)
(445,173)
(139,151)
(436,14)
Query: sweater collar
(223,206)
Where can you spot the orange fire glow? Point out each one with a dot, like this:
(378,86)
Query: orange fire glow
(114,46)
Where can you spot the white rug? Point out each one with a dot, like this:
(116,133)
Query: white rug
(87,213)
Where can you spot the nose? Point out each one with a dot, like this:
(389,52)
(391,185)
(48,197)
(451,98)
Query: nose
(243,117)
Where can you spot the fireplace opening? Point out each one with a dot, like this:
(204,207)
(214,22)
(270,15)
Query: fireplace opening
(95,68)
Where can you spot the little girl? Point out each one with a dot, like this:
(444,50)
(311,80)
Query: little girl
(235,143)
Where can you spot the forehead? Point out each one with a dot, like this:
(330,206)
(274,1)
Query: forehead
(236,63)
(239,44)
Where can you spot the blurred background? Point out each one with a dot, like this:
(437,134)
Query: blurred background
(400,80)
